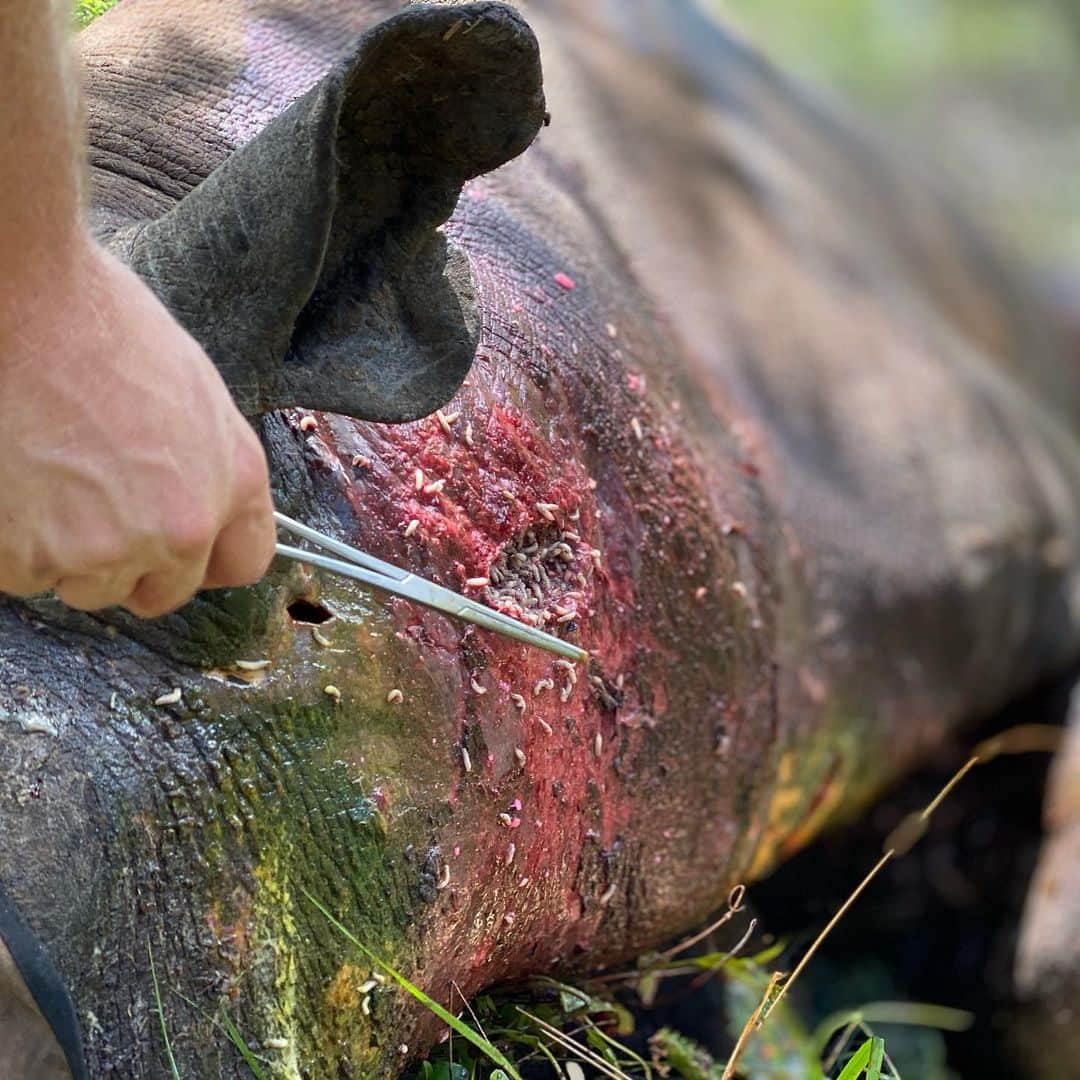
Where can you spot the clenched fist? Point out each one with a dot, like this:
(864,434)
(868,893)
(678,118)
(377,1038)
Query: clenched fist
(127,475)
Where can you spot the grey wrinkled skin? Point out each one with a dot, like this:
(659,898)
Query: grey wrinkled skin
(846,522)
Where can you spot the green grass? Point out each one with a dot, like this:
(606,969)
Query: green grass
(86,11)
(554,1022)
(455,1023)
(173,1070)
(242,1047)
(865,1062)
(232,1033)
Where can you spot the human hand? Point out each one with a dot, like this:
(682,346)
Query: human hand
(127,474)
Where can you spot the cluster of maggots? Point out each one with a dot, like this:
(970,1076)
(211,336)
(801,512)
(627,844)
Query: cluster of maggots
(542,577)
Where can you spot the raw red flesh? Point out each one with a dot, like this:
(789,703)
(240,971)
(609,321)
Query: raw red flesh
(611,462)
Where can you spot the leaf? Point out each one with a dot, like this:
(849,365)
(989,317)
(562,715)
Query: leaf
(689,1060)
(892,1012)
(647,987)
(443,1070)
(877,1058)
(859,1061)
(781,1048)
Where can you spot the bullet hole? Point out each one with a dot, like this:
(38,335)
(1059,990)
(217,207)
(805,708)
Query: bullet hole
(308,612)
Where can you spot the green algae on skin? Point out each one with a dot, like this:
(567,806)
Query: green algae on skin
(283,813)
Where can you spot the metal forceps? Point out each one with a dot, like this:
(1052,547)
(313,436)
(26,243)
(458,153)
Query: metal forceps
(358,564)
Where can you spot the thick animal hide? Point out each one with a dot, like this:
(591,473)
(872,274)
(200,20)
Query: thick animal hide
(751,417)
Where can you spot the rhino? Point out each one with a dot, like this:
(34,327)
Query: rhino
(584,310)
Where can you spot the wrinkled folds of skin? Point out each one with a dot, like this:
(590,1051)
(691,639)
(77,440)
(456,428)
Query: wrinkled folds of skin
(806,423)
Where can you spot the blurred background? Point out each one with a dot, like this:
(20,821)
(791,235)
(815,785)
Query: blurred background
(987,94)
(987,91)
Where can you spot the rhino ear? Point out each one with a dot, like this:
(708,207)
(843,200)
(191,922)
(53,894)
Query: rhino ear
(309,265)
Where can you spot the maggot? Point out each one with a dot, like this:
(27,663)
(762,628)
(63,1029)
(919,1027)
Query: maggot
(412,527)
(419,479)
(466,760)
(566,665)
(308,423)
(395,697)
(519,755)
(444,877)
(519,701)
(435,487)
(252,665)
(331,691)
(542,685)
(171,698)
(477,688)
(477,582)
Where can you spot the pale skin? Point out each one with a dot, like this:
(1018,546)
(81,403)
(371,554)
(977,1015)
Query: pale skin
(127,475)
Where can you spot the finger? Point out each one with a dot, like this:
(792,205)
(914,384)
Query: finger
(242,551)
(162,591)
(27,583)
(27,572)
(92,592)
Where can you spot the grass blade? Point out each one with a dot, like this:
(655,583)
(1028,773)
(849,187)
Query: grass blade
(161,1015)
(877,1059)
(242,1047)
(232,1033)
(940,1017)
(447,1017)
(859,1060)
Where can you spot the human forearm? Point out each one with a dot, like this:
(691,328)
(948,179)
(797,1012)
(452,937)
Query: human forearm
(40,143)
(127,475)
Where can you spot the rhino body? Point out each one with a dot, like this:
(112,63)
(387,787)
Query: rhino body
(752,416)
